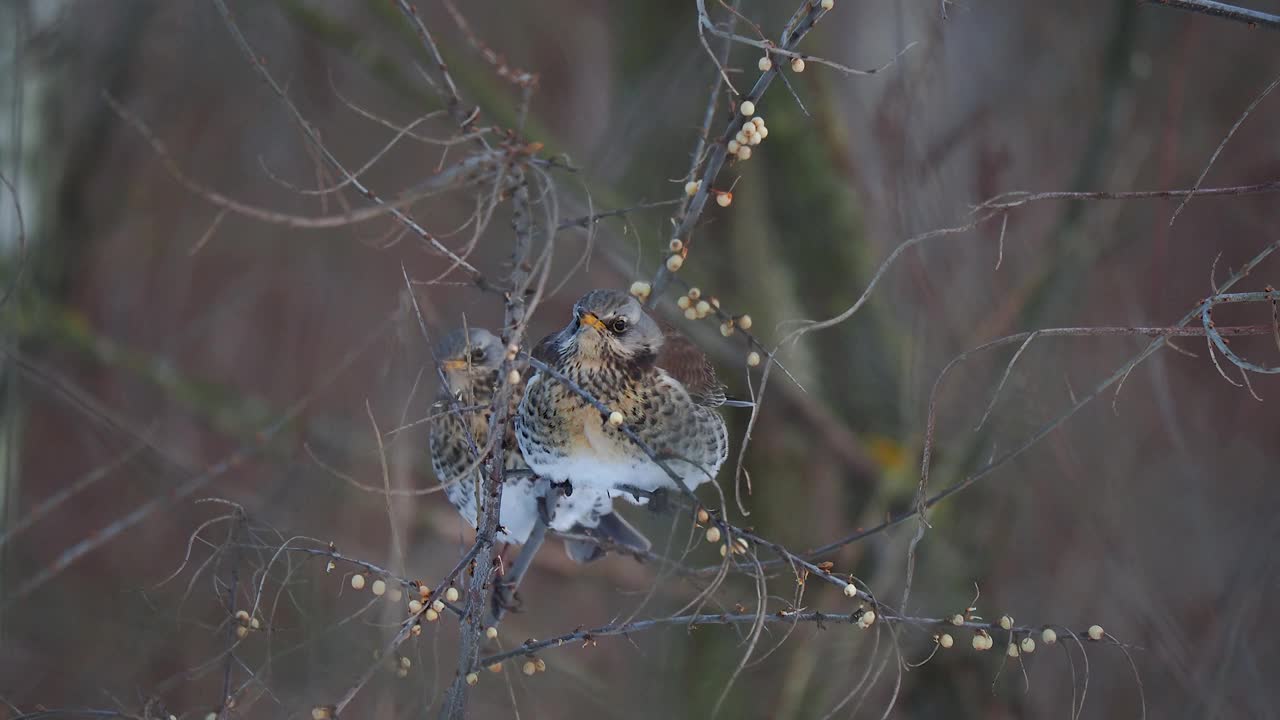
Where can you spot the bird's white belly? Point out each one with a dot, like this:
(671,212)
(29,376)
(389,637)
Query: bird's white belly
(607,473)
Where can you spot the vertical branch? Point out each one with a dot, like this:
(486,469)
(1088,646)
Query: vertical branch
(799,26)
(476,599)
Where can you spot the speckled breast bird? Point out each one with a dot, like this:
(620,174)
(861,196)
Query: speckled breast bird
(665,389)
(471,360)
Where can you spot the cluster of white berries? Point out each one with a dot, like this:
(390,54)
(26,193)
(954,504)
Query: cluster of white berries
(797,64)
(753,132)
(982,640)
(742,321)
(695,306)
(245,623)
(377,587)
(724,198)
(533,666)
(676,260)
(641,290)
(401,667)
(431,613)
(867,620)
(740,547)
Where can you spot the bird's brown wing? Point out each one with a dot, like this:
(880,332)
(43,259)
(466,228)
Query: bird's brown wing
(686,362)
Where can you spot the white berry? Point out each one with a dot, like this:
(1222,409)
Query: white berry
(828,4)
(1006,622)
(640,289)
(674,262)
(744,153)
(472,678)
(946,640)
(797,65)
(724,199)
(850,590)
(379,587)
(713,534)
(765,64)
(491,632)
(748,108)
(357,582)
(753,358)
(1049,637)
(691,187)
(1028,645)
(616,419)
(744,322)
(1095,632)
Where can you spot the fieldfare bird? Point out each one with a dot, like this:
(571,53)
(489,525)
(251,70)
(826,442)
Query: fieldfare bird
(471,361)
(664,389)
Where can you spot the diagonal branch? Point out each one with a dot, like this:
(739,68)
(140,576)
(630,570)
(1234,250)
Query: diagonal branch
(1226,12)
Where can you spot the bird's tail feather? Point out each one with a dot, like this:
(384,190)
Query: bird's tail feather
(612,529)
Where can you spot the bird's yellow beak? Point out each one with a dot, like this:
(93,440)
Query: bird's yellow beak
(590,319)
(455,364)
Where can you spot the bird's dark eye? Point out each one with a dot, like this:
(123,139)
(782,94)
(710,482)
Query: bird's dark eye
(618,325)
(477,356)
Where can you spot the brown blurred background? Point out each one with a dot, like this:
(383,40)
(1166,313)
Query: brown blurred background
(150,336)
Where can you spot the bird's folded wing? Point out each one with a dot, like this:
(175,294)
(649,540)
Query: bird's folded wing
(686,363)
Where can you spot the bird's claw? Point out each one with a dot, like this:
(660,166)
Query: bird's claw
(504,599)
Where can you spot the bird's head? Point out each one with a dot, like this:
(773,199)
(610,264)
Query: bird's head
(610,326)
(470,358)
